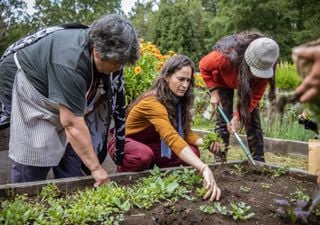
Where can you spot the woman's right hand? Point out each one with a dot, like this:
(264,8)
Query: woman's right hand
(215,147)
(215,99)
(213,191)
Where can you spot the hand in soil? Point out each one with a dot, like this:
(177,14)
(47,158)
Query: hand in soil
(100,176)
(214,192)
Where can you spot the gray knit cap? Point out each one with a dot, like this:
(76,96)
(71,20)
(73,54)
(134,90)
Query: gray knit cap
(261,55)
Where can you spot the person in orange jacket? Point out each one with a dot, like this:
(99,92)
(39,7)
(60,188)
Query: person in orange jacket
(246,62)
(158,126)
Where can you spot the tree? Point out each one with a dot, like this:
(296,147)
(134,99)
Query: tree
(177,25)
(13,22)
(53,12)
(140,16)
(289,22)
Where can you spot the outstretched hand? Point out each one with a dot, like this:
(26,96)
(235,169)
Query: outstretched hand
(310,86)
(213,191)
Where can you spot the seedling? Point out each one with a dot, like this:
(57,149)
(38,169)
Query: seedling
(208,139)
(245,189)
(296,208)
(201,192)
(299,194)
(241,211)
(292,210)
(238,211)
(215,208)
(265,185)
(276,172)
(239,169)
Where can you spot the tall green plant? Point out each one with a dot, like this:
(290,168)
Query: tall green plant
(287,77)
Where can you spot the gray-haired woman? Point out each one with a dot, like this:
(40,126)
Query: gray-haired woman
(61,86)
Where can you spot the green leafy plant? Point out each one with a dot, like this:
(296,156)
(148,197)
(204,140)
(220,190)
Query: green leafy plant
(238,211)
(287,77)
(238,168)
(215,208)
(265,185)
(208,139)
(299,194)
(241,211)
(98,206)
(201,191)
(276,172)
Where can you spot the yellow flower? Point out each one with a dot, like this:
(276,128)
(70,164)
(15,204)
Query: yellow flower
(160,65)
(198,80)
(137,70)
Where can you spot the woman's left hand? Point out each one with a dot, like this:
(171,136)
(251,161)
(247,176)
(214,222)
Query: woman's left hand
(213,191)
(233,125)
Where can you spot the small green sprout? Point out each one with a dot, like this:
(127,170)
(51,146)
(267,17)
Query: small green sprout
(299,194)
(245,189)
(265,185)
(276,172)
(241,211)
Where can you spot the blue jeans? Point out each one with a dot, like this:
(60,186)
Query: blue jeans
(69,166)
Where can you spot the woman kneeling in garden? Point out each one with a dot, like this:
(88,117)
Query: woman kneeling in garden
(158,126)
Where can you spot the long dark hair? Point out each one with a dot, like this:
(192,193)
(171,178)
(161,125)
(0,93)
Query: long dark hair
(234,47)
(161,90)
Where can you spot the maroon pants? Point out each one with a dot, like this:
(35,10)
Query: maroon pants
(142,151)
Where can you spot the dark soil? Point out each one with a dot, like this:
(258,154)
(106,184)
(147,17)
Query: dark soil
(260,198)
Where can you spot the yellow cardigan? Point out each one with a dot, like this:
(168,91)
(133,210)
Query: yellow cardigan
(150,112)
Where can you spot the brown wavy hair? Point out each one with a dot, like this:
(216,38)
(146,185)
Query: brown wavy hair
(245,76)
(161,90)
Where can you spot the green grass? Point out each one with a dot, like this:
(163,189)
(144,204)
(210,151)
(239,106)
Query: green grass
(287,77)
(235,153)
(288,129)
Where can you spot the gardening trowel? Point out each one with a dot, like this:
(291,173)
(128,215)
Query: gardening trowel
(243,146)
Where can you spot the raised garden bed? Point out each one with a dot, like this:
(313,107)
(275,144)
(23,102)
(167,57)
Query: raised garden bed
(175,200)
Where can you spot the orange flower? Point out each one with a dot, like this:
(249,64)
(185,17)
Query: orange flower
(137,70)
(160,65)
(156,51)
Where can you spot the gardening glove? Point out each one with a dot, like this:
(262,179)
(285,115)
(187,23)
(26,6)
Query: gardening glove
(213,191)
(215,99)
(233,125)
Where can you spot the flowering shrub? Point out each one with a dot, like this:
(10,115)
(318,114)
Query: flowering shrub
(139,77)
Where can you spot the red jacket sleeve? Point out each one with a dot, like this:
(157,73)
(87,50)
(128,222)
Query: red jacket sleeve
(211,67)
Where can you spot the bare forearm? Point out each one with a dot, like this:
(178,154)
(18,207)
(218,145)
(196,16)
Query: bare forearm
(79,138)
(189,157)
